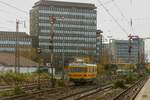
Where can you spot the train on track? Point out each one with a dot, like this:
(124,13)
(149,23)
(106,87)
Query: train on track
(82,72)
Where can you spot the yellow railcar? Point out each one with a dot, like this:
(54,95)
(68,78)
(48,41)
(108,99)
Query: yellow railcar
(82,72)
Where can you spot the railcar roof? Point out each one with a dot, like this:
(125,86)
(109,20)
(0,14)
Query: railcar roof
(81,64)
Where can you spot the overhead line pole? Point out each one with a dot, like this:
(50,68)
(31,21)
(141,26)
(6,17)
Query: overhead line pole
(131,21)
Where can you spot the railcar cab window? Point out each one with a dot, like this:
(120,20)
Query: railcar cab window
(79,69)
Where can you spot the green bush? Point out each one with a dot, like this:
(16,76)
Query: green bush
(61,83)
(147,70)
(14,78)
(6,93)
(18,90)
(119,84)
(130,79)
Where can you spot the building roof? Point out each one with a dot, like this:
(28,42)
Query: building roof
(8,59)
(65,4)
(126,41)
(11,33)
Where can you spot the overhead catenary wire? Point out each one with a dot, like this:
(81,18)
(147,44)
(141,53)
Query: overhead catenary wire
(124,30)
(130,23)
(108,2)
(134,19)
(10,13)
(18,9)
(120,11)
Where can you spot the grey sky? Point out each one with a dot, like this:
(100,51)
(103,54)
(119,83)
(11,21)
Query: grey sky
(139,12)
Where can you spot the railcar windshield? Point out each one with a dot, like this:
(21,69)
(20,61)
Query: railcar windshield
(78,69)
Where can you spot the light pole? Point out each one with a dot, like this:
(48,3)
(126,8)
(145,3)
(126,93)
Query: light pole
(17,54)
(17,51)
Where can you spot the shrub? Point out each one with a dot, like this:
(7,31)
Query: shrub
(18,90)
(6,93)
(61,83)
(119,84)
(130,79)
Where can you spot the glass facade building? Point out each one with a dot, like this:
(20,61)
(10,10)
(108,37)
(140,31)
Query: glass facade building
(120,51)
(99,45)
(74,35)
(8,41)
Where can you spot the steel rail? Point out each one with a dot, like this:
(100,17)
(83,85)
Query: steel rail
(81,94)
(131,92)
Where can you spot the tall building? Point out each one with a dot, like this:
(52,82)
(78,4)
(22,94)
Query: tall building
(120,51)
(74,28)
(8,41)
(99,44)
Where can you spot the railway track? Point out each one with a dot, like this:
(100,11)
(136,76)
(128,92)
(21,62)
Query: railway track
(65,93)
(31,95)
(131,92)
(85,93)
(24,87)
(54,93)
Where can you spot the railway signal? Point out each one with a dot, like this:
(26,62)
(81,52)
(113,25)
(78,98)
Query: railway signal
(39,50)
(53,20)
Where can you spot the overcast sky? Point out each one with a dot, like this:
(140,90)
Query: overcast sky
(121,10)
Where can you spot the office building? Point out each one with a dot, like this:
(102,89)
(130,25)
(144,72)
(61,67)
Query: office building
(120,51)
(99,44)
(8,41)
(74,28)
